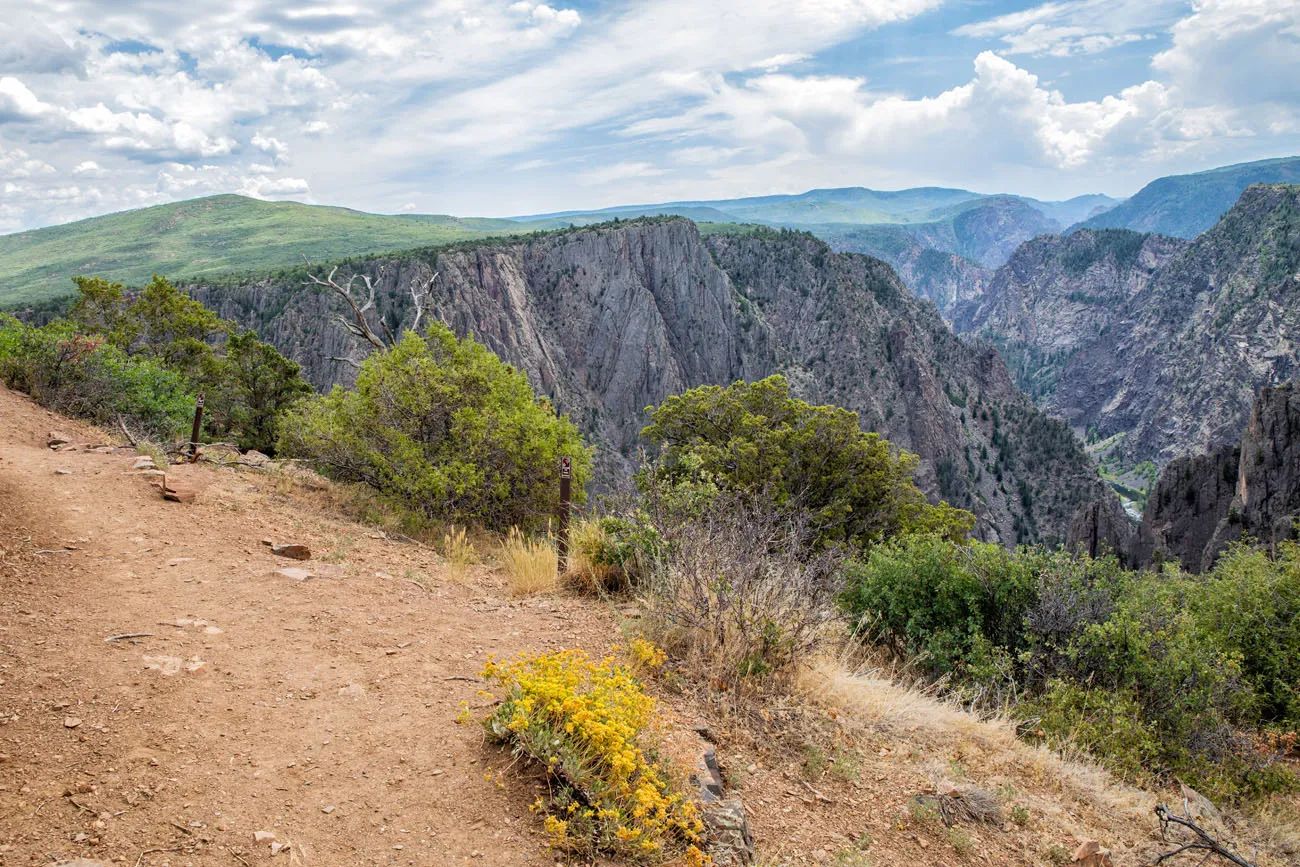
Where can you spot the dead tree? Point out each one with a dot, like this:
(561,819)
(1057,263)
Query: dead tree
(356,323)
(1203,841)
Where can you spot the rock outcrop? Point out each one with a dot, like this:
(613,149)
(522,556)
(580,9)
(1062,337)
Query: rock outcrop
(1101,527)
(1184,509)
(1252,490)
(608,320)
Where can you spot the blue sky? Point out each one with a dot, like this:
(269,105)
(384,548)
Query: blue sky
(498,107)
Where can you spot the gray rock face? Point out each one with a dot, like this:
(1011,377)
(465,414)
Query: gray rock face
(1202,504)
(1161,340)
(608,320)
(1268,484)
(1057,294)
(1185,508)
(1179,369)
(945,278)
(1101,527)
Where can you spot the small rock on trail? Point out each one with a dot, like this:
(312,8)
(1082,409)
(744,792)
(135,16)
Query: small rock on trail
(292,550)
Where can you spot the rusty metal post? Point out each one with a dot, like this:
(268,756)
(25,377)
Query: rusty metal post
(194,437)
(562,536)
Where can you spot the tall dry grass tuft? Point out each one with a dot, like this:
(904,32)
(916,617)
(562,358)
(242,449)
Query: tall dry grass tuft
(584,570)
(459,553)
(531,565)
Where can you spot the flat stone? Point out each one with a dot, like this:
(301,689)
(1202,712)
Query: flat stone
(294,572)
(63,472)
(263,836)
(292,550)
(71,722)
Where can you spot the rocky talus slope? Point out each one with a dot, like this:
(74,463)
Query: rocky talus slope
(608,320)
(1251,490)
(1161,340)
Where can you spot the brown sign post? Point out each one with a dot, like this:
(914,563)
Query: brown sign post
(562,536)
(194,437)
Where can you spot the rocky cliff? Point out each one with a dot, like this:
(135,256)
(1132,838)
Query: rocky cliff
(1185,507)
(1250,490)
(1160,341)
(1058,293)
(607,320)
(1178,369)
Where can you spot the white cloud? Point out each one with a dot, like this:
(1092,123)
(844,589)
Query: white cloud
(27,45)
(1237,52)
(18,164)
(144,134)
(619,172)
(450,105)
(1070,27)
(17,102)
(270,145)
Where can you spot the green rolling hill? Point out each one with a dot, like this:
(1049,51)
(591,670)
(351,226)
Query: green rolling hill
(215,235)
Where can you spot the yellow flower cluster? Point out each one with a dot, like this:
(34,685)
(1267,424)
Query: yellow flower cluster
(585,722)
(647,653)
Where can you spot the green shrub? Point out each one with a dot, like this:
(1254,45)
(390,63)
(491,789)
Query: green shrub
(248,384)
(1250,606)
(83,376)
(955,608)
(1109,725)
(615,552)
(753,438)
(1154,673)
(251,387)
(445,428)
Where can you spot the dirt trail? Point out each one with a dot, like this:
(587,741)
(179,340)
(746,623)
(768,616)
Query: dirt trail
(322,711)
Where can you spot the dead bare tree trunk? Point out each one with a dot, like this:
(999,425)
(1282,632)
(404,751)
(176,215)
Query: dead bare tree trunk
(356,323)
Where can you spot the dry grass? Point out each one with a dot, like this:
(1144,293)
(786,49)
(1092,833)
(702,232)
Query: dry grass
(459,553)
(868,700)
(531,565)
(582,571)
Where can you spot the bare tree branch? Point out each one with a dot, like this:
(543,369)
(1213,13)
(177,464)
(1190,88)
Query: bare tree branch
(359,326)
(421,301)
(1204,841)
(350,361)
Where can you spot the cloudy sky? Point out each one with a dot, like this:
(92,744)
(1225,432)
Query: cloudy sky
(497,107)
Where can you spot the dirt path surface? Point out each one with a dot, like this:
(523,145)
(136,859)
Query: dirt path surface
(322,711)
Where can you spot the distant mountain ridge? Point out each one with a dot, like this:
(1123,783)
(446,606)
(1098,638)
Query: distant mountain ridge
(944,241)
(212,235)
(1184,206)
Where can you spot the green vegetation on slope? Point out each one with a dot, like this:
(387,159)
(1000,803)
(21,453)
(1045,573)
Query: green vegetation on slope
(139,361)
(213,235)
(1157,674)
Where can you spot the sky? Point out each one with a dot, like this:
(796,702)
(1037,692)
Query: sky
(499,108)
